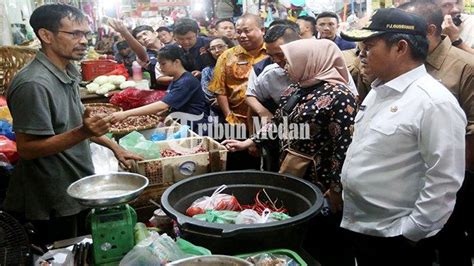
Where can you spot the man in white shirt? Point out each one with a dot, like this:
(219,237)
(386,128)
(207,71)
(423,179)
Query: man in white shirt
(406,161)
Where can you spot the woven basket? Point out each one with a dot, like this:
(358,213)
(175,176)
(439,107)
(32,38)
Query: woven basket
(107,105)
(12,59)
(123,132)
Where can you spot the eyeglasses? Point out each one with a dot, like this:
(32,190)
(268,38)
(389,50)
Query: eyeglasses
(218,47)
(77,34)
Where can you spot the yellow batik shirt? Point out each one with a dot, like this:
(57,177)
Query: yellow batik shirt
(231,75)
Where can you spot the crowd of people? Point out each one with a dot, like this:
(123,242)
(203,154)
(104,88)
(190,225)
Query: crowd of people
(389,110)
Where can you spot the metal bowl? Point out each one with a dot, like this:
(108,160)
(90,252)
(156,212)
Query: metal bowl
(104,190)
(210,260)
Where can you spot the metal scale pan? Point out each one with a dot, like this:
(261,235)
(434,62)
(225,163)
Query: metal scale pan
(106,190)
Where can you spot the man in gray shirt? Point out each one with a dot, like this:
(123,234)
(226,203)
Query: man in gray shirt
(52,128)
(264,88)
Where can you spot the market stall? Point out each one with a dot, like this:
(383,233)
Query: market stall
(117,237)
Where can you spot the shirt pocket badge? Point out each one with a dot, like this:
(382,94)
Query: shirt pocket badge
(241,69)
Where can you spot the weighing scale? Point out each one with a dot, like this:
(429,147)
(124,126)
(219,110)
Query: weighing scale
(112,220)
(112,232)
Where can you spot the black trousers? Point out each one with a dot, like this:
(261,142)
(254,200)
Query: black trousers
(389,251)
(325,241)
(452,242)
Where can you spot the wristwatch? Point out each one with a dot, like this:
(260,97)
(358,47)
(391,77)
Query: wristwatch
(456,42)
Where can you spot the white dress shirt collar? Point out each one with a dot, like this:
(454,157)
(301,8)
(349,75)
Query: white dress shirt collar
(400,83)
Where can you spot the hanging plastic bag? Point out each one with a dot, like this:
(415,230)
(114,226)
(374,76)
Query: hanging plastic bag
(103,159)
(8,150)
(5,114)
(217,201)
(6,130)
(137,143)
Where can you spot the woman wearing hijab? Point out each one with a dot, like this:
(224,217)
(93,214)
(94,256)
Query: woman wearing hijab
(320,98)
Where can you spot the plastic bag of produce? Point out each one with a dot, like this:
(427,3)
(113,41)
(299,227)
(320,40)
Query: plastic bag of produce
(264,259)
(140,256)
(137,143)
(218,217)
(8,150)
(181,133)
(217,201)
(250,216)
(156,249)
(6,130)
(132,98)
(5,114)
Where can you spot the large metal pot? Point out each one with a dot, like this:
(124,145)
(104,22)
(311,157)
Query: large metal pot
(104,190)
(302,198)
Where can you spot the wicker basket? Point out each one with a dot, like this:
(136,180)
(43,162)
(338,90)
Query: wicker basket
(115,108)
(12,59)
(123,132)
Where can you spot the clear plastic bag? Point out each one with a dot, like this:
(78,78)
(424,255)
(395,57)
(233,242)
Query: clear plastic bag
(264,259)
(217,201)
(57,257)
(140,256)
(8,150)
(181,133)
(250,216)
(103,159)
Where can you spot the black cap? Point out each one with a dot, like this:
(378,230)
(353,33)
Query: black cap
(386,20)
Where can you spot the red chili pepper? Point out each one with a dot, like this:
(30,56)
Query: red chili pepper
(260,206)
